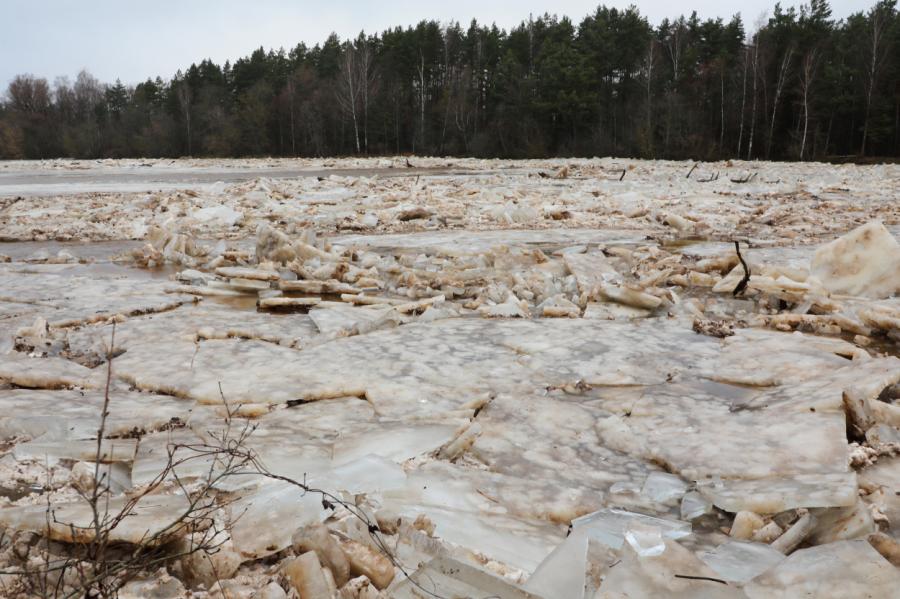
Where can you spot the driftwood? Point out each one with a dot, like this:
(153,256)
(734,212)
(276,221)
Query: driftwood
(746,179)
(742,285)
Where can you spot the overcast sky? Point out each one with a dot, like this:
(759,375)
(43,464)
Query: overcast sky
(135,40)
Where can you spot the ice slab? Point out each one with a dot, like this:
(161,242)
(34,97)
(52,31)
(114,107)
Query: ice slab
(562,573)
(864,262)
(46,373)
(259,519)
(694,505)
(522,434)
(462,505)
(774,495)
(69,300)
(419,368)
(365,475)
(590,270)
(446,576)
(739,562)
(111,450)
(664,488)
(610,526)
(832,571)
(668,574)
(461,242)
(70,522)
(345,320)
(62,415)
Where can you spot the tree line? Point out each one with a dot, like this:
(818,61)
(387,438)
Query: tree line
(796,85)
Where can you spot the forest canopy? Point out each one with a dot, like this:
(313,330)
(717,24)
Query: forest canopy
(796,85)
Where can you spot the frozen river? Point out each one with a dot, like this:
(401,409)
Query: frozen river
(514,379)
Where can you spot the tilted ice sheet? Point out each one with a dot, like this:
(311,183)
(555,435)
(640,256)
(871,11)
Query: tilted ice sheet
(150,517)
(61,415)
(519,435)
(207,320)
(70,300)
(474,242)
(835,570)
(46,373)
(455,500)
(417,368)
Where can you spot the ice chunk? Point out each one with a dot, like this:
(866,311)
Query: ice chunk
(737,561)
(242,272)
(316,537)
(307,577)
(160,585)
(218,215)
(259,519)
(446,577)
(774,495)
(562,573)
(645,540)
(609,525)
(45,373)
(344,320)
(111,450)
(674,573)
(590,270)
(832,571)
(664,488)
(364,475)
(152,515)
(629,296)
(694,505)
(840,524)
(112,477)
(511,308)
(393,441)
(365,561)
(456,501)
(864,262)
(156,450)
(745,524)
(613,311)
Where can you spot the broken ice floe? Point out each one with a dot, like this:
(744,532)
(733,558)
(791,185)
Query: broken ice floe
(522,412)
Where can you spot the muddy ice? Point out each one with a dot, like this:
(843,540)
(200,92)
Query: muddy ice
(554,379)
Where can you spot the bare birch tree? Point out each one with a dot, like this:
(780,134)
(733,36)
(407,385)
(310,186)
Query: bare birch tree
(755,68)
(349,90)
(807,75)
(879,19)
(649,60)
(743,100)
(783,71)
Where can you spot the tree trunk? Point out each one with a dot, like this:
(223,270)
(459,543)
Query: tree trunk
(291,101)
(753,110)
(650,99)
(809,65)
(721,108)
(779,86)
(422,100)
(743,104)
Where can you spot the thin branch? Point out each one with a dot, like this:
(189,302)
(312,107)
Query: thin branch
(742,285)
